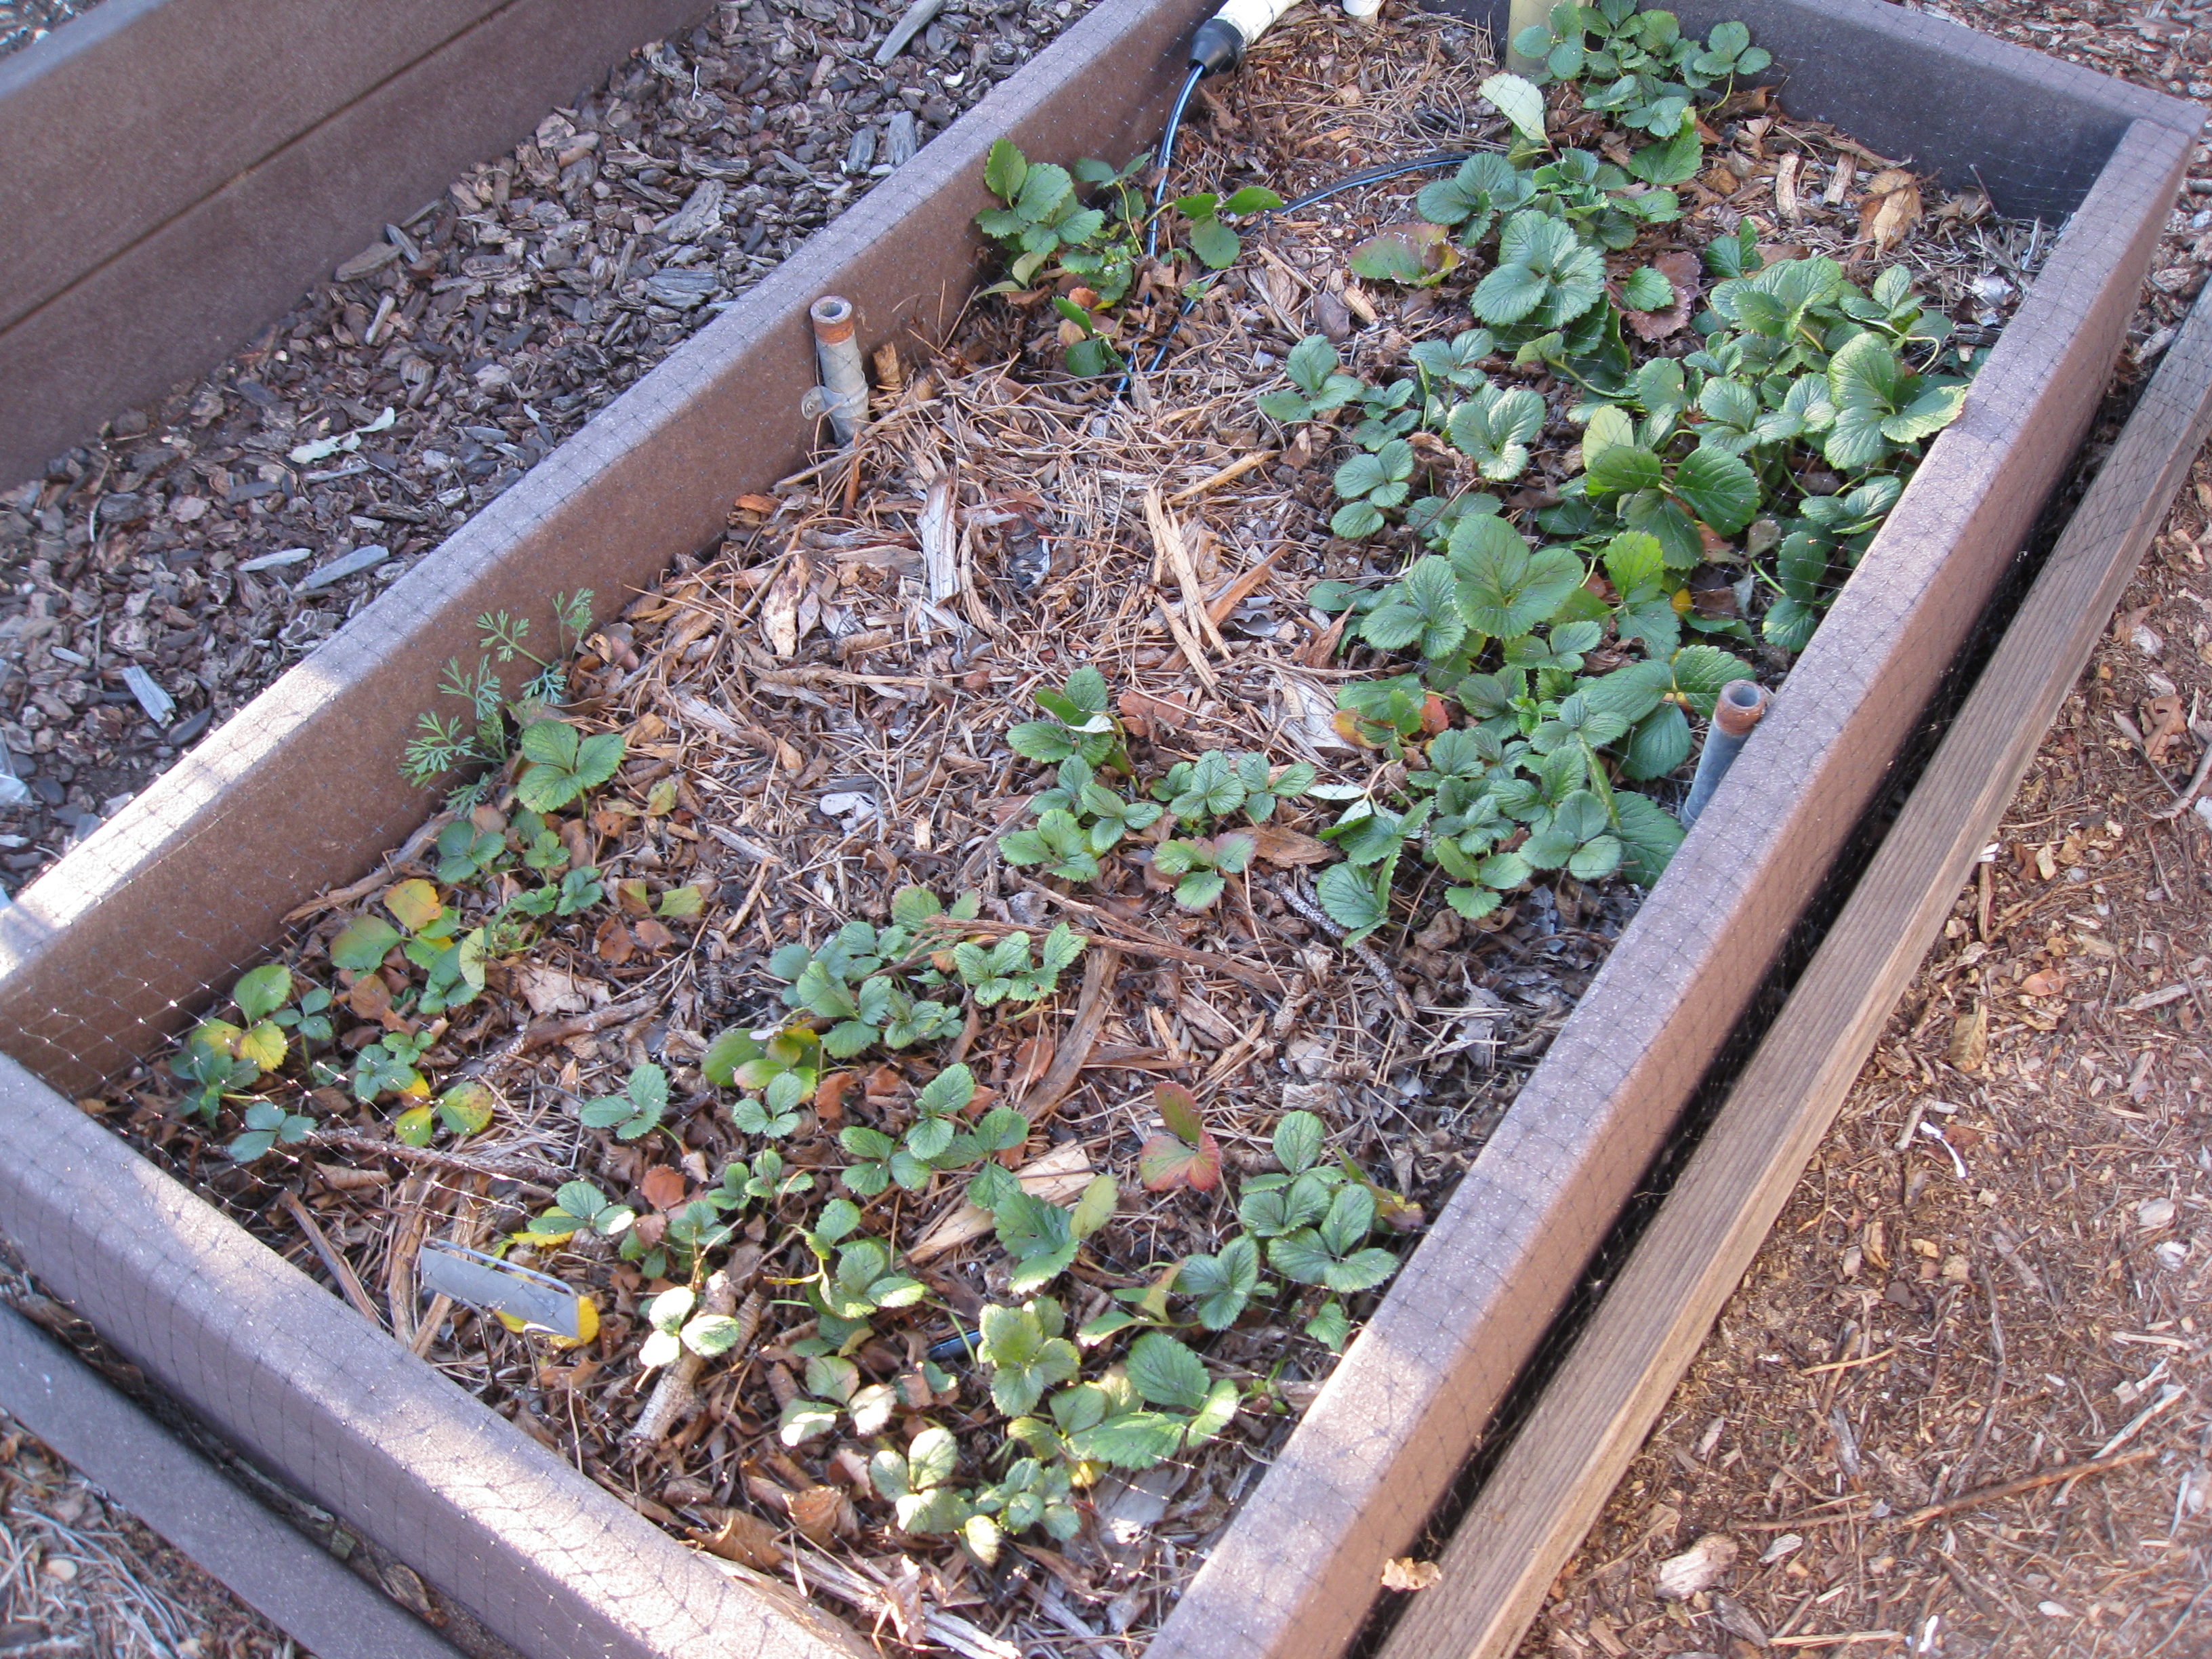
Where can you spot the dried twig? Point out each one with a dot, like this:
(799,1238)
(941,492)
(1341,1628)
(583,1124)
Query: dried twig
(341,1269)
(542,1032)
(340,896)
(1126,936)
(1973,1500)
(2196,782)
(1228,474)
(673,1396)
(1303,903)
(1092,1007)
(531,1176)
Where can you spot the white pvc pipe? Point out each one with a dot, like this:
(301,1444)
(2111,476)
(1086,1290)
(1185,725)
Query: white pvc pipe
(1254,18)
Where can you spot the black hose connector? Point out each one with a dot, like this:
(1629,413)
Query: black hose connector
(1219,45)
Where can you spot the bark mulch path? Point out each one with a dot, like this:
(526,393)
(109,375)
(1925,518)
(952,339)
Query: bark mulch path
(22,22)
(214,539)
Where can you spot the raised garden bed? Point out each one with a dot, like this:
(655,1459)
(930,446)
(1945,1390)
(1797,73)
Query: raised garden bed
(1298,1570)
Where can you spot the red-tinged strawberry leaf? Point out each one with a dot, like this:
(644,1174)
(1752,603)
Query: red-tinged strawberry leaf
(1206,1168)
(1166,1161)
(1178,1109)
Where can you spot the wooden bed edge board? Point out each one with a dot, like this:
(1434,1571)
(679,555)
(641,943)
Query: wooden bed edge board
(194,1506)
(1553,1482)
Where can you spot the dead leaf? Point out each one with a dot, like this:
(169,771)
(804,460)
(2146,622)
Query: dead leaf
(1141,709)
(902,1602)
(1347,725)
(764,505)
(2046,982)
(549,990)
(1969,1039)
(1890,208)
(654,935)
(1031,1061)
(1322,649)
(1698,1568)
(821,1514)
(613,944)
(830,1096)
(2167,725)
(1285,848)
(633,898)
(370,997)
(747,1540)
(780,605)
(664,1186)
(577,839)
(1405,1573)
(1683,270)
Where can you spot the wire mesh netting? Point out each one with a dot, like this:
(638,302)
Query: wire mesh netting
(766,796)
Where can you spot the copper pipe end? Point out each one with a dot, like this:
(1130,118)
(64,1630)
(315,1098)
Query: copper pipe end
(1742,702)
(832,316)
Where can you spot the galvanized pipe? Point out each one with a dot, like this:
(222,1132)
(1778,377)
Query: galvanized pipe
(1741,704)
(844,393)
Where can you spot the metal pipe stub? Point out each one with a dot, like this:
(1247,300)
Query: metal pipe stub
(1739,708)
(843,394)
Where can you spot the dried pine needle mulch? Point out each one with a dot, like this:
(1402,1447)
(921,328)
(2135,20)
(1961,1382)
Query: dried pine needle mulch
(822,734)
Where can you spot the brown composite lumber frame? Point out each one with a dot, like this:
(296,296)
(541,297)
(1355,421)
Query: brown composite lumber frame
(295,1585)
(1592,1417)
(545,1558)
(125,937)
(177,171)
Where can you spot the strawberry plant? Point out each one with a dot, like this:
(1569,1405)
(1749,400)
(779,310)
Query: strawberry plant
(637,1111)
(1184,1153)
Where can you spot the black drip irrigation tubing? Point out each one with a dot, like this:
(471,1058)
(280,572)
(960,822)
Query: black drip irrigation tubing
(1374,176)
